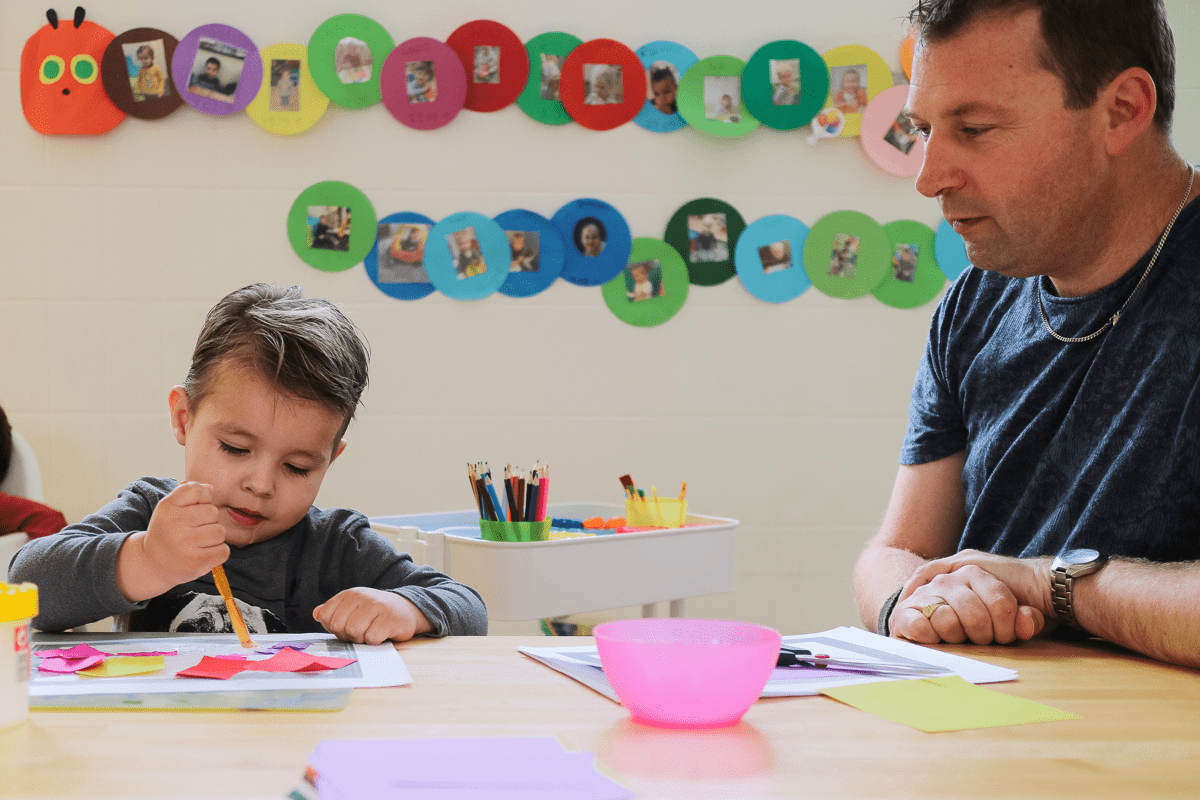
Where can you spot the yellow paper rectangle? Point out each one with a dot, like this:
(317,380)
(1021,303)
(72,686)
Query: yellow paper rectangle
(944,704)
(120,666)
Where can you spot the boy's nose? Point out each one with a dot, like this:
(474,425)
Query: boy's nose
(259,481)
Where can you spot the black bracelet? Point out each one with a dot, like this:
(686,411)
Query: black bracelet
(889,605)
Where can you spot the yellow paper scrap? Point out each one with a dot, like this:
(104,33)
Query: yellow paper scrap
(944,704)
(120,666)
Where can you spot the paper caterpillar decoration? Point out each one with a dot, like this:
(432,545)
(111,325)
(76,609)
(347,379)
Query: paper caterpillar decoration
(61,91)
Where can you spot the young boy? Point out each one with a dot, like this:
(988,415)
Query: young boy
(150,78)
(274,382)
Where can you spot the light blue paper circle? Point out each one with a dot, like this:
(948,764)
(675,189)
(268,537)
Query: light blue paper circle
(551,253)
(950,250)
(379,273)
(439,263)
(584,270)
(679,57)
(785,284)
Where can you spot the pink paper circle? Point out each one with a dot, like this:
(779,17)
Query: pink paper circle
(448,76)
(877,122)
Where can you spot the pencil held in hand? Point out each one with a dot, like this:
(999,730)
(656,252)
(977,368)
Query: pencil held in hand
(235,616)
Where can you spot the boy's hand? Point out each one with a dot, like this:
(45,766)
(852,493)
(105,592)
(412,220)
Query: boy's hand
(183,541)
(371,616)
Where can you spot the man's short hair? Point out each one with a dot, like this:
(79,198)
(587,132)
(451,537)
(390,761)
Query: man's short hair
(213,60)
(1086,43)
(305,346)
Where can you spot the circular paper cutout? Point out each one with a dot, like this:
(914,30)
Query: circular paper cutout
(856,75)
(345,55)
(710,97)
(466,256)
(769,258)
(136,73)
(536,252)
(914,278)
(705,232)
(542,99)
(396,263)
(951,251)
(596,241)
(331,226)
(603,86)
(423,84)
(784,84)
(847,254)
(888,137)
(651,288)
(217,69)
(907,46)
(495,62)
(665,63)
(289,101)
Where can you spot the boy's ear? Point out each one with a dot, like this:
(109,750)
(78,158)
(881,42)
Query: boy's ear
(178,398)
(338,450)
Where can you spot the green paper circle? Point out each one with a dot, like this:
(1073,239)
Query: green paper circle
(550,112)
(705,273)
(652,310)
(690,96)
(873,256)
(757,90)
(927,278)
(363,225)
(322,46)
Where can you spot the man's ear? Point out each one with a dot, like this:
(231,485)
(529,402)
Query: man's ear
(1129,101)
(178,398)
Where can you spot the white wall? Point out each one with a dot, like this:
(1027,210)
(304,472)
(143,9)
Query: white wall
(787,417)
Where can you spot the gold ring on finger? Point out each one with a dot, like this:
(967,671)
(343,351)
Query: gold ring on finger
(927,611)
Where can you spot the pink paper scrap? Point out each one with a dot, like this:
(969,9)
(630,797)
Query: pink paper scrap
(69,665)
(78,651)
(151,653)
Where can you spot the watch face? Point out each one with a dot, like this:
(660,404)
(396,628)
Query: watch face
(1082,555)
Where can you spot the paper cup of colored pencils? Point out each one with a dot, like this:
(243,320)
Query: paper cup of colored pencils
(513,510)
(494,531)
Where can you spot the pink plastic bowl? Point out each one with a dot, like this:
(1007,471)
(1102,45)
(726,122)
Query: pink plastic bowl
(687,673)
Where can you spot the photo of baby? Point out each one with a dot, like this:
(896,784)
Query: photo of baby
(402,252)
(352,60)
(602,84)
(147,78)
(285,85)
(722,98)
(708,238)
(663,81)
(590,236)
(330,227)
(216,70)
(775,257)
(525,248)
(487,64)
(419,81)
(785,81)
(465,253)
(551,76)
(904,262)
(844,257)
(847,84)
(901,135)
(643,280)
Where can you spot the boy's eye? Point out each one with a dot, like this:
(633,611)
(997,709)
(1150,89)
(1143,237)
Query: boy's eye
(297,471)
(236,451)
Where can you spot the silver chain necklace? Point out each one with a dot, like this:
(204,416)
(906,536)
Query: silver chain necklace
(1112,321)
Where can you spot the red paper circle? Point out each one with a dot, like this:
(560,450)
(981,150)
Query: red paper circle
(573,89)
(512,68)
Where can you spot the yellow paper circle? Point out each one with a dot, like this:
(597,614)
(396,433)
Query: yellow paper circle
(270,108)
(878,78)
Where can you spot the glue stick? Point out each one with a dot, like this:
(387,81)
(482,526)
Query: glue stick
(18,607)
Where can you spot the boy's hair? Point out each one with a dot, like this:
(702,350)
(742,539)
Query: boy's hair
(1086,43)
(6,444)
(144,49)
(305,346)
(661,74)
(213,60)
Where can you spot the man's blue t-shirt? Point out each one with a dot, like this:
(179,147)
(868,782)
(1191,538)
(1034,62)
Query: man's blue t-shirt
(1092,444)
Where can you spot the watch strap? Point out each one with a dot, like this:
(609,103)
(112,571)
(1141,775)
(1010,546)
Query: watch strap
(885,613)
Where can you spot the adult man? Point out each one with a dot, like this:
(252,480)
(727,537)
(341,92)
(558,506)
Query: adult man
(1056,406)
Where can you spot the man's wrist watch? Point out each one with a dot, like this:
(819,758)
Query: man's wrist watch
(1066,568)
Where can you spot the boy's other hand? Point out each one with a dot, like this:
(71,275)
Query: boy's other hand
(371,616)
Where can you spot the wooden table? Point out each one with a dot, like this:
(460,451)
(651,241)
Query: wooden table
(1138,736)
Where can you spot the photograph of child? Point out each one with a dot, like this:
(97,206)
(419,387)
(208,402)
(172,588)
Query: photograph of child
(847,84)
(352,60)
(603,84)
(663,80)
(402,252)
(330,227)
(487,64)
(418,76)
(708,238)
(722,98)
(285,84)
(844,257)
(146,78)
(904,262)
(525,248)
(785,81)
(590,236)
(216,70)
(643,280)
(775,257)
(551,76)
(901,135)
(466,253)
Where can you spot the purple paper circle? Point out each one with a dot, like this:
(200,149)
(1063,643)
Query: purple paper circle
(248,79)
(449,78)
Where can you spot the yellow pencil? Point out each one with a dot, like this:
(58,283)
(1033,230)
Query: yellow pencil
(235,616)
(683,492)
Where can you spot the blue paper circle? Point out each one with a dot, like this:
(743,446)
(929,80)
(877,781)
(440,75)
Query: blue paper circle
(440,264)
(950,251)
(748,258)
(550,254)
(679,57)
(387,276)
(583,270)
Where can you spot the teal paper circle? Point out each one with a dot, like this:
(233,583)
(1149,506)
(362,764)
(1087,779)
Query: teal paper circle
(753,258)
(671,276)
(908,285)
(679,234)
(681,60)
(361,235)
(443,272)
(871,255)
(546,110)
(707,79)
(322,50)
(759,93)
(951,251)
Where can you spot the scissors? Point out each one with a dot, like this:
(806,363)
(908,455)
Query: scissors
(799,657)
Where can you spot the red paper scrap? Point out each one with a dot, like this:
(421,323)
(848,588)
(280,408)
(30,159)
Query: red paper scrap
(287,660)
(210,667)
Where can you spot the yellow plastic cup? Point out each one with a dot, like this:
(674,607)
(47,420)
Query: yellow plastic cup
(514,531)
(665,512)
(18,607)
